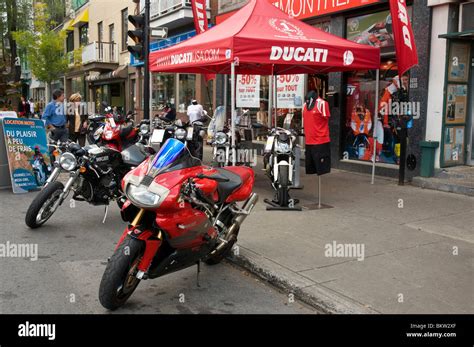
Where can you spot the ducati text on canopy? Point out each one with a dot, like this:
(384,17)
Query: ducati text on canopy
(299,54)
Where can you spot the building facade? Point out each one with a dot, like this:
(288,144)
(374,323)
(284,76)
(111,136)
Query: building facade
(96,46)
(451,95)
(366,22)
(175,89)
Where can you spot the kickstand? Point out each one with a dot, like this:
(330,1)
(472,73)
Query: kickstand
(198,263)
(106,210)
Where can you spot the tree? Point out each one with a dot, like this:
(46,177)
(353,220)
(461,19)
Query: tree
(44,47)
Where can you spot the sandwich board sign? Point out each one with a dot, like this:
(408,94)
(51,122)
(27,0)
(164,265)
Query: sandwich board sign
(27,152)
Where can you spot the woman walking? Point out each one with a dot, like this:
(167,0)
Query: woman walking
(77,120)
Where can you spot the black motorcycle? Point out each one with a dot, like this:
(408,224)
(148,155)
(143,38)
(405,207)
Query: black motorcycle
(95,175)
(191,134)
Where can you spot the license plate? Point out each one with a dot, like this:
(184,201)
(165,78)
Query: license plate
(157,136)
(189,136)
(269,144)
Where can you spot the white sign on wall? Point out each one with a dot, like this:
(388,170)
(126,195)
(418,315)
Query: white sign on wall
(248,91)
(290,91)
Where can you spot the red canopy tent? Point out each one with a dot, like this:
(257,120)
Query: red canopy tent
(264,40)
(260,39)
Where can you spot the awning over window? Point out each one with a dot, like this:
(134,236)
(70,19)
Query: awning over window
(82,18)
(119,73)
(68,25)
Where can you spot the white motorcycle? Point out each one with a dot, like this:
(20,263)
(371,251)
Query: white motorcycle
(279,164)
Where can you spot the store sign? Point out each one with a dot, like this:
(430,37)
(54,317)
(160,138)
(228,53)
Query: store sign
(290,91)
(248,91)
(27,152)
(314,8)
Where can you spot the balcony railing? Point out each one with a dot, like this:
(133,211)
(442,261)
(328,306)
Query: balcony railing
(162,7)
(100,52)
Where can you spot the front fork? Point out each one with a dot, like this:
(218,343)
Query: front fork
(73,175)
(54,175)
(152,244)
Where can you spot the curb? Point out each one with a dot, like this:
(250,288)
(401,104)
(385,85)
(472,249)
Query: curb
(311,293)
(443,186)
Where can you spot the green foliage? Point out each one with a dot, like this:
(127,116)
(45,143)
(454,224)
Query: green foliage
(77,53)
(44,47)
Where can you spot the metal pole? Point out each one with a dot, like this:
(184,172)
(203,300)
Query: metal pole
(275,87)
(319,192)
(232,127)
(376,116)
(146,79)
(270,101)
(226,82)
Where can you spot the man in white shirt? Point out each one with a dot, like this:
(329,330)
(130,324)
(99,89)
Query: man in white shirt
(32,107)
(195,112)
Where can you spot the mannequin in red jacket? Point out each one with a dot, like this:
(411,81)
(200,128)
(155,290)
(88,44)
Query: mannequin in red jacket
(316,116)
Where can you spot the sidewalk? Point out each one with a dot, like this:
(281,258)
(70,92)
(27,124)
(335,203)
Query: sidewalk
(409,236)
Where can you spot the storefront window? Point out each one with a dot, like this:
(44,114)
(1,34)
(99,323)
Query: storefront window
(360,123)
(83,35)
(187,91)
(163,90)
(78,86)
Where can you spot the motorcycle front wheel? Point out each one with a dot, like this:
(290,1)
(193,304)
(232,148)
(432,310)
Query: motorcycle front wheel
(41,208)
(119,280)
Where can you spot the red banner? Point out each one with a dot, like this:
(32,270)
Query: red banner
(200,15)
(405,45)
(201,24)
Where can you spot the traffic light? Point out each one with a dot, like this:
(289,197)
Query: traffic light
(138,35)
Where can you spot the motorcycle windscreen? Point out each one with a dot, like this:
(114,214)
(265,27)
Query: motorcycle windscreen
(219,119)
(168,153)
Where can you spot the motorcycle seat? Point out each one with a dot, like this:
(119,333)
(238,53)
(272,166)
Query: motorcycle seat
(225,189)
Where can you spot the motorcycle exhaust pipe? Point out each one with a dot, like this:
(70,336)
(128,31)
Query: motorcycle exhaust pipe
(232,232)
(246,209)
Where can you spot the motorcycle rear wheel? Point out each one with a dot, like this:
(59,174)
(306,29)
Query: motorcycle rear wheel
(40,208)
(118,281)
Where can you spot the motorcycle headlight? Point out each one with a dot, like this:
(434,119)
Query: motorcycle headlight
(142,196)
(221,138)
(67,161)
(180,134)
(144,129)
(282,147)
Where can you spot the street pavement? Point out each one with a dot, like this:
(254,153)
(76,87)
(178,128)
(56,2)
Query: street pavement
(415,255)
(73,248)
(418,246)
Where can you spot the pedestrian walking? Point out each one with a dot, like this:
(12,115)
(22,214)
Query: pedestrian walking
(77,120)
(23,108)
(54,117)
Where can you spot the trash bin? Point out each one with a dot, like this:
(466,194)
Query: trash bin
(428,150)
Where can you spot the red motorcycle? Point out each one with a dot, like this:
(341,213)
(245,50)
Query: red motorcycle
(119,131)
(180,213)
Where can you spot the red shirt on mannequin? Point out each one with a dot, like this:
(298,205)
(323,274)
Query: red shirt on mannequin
(316,123)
